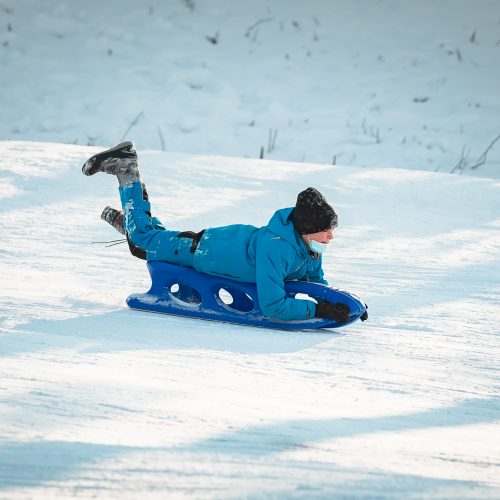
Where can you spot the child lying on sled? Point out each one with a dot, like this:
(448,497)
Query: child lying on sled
(288,248)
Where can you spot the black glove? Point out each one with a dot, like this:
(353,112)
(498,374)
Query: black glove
(329,310)
(365,314)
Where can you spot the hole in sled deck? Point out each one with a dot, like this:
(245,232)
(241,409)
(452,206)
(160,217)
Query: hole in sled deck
(235,299)
(185,293)
(304,296)
(225,296)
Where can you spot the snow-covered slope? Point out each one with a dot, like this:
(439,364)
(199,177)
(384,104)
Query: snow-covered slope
(100,401)
(358,82)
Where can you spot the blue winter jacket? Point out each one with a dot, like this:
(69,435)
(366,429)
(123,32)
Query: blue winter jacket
(266,256)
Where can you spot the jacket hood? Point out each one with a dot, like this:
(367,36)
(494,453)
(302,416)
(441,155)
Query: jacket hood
(282,225)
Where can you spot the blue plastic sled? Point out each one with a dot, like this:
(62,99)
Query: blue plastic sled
(182,291)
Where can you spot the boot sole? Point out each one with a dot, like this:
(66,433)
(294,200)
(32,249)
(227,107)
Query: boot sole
(91,166)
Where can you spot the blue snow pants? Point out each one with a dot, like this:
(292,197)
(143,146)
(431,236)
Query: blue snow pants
(148,233)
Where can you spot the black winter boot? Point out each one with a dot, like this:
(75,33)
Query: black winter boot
(114,217)
(120,160)
(145,195)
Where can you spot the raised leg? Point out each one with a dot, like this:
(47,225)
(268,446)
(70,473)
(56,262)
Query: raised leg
(146,235)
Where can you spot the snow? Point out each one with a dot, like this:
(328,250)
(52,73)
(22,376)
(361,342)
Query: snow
(99,400)
(387,83)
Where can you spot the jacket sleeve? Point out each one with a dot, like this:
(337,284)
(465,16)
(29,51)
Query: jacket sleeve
(318,276)
(271,269)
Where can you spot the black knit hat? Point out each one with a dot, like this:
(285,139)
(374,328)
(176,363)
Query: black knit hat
(312,213)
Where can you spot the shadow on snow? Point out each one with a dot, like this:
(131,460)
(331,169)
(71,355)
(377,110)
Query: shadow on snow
(127,330)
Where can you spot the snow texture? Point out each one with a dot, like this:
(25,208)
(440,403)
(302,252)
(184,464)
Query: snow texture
(354,82)
(99,400)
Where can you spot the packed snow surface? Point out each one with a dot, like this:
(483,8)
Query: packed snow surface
(100,401)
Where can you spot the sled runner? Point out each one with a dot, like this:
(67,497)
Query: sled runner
(182,291)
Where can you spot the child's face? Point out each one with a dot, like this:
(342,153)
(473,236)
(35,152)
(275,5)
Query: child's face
(322,236)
